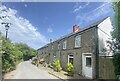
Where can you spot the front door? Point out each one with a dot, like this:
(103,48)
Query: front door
(87,65)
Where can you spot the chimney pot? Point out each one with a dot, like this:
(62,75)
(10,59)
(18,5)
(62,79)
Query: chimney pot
(76,28)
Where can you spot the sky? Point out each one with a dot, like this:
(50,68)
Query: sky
(35,23)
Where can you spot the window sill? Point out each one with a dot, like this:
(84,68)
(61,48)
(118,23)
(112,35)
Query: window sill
(77,47)
(64,49)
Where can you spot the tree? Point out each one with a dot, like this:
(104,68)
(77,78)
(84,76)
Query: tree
(116,37)
(12,54)
(116,21)
(28,52)
(8,58)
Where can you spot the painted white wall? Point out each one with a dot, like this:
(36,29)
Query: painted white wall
(104,34)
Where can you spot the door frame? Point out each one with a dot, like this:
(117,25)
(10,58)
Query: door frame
(70,57)
(86,55)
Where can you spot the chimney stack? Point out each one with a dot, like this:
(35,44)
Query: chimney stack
(76,28)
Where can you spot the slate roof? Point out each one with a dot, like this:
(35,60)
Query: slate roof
(83,29)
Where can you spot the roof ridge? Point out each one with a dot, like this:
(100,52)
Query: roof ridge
(87,27)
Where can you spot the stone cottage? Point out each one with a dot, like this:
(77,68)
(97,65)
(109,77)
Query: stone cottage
(82,48)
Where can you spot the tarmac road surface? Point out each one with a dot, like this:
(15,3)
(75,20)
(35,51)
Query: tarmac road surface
(26,70)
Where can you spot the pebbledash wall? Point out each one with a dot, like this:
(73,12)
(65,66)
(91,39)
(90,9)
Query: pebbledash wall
(78,46)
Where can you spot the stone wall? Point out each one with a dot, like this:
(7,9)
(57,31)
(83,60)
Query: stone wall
(106,68)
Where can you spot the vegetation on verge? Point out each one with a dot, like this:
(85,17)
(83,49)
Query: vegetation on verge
(70,67)
(12,54)
(57,65)
(35,61)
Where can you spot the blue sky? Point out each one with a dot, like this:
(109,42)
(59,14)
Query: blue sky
(36,23)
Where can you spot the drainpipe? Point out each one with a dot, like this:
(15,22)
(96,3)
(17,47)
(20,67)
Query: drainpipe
(96,56)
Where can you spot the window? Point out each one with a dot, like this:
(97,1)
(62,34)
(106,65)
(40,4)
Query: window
(78,41)
(70,59)
(58,46)
(88,61)
(54,56)
(52,47)
(64,44)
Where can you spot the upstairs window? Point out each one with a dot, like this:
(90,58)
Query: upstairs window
(78,41)
(52,47)
(58,46)
(64,44)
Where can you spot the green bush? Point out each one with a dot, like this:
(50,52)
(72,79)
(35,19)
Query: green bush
(13,53)
(70,67)
(57,65)
(50,65)
(35,60)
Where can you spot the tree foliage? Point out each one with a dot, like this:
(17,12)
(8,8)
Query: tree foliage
(26,50)
(116,21)
(116,61)
(116,36)
(12,54)
(70,67)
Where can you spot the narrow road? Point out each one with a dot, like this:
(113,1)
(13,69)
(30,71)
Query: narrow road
(28,71)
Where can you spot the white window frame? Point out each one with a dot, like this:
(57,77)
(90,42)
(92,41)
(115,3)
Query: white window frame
(70,57)
(77,41)
(59,46)
(65,44)
(86,61)
(52,47)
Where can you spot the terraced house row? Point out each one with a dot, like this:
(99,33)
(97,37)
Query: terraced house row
(82,48)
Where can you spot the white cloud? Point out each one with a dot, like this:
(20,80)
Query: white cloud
(22,30)
(50,30)
(25,5)
(103,9)
(79,6)
(77,9)
(87,3)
